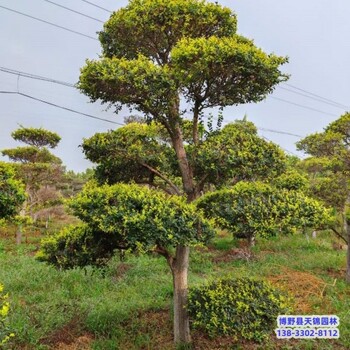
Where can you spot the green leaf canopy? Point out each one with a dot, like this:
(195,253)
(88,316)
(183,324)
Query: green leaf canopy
(155,51)
(253,209)
(141,153)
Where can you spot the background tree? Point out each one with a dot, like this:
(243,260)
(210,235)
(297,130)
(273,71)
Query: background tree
(329,169)
(12,193)
(37,167)
(72,183)
(157,53)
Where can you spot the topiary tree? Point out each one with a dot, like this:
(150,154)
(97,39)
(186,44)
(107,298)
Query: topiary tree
(255,209)
(329,170)
(37,167)
(157,53)
(143,154)
(12,193)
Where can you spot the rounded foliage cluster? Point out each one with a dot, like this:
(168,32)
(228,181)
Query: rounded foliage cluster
(77,246)
(291,180)
(240,307)
(121,154)
(236,153)
(131,30)
(257,209)
(36,137)
(124,217)
(140,217)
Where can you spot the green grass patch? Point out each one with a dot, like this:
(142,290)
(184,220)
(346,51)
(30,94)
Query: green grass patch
(128,304)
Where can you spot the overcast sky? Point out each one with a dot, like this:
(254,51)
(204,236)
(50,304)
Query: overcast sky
(314,34)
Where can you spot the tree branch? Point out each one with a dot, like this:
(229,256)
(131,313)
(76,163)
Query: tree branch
(163,177)
(199,186)
(339,235)
(196,110)
(164,252)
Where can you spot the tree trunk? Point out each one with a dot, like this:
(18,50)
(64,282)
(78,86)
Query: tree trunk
(19,234)
(47,221)
(251,241)
(184,166)
(347,235)
(347,277)
(179,265)
(181,320)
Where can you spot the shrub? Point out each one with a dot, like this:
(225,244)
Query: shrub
(5,334)
(237,307)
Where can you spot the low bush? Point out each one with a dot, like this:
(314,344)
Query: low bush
(237,307)
(5,334)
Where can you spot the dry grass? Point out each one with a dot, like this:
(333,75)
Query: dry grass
(305,287)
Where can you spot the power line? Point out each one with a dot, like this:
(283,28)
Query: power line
(302,106)
(71,10)
(89,115)
(334,104)
(61,107)
(36,77)
(92,116)
(92,4)
(272,130)
(50,23)
(284,149)
(281,132)
(318,96)
(262,129)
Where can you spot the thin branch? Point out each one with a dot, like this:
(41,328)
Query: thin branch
(339,235)
(199,186)
(155,171)
(196,110)
(206,94)
(163,177)
(164,252)
(164,188)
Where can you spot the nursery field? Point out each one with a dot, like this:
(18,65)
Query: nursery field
(177,216)
(127,305)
